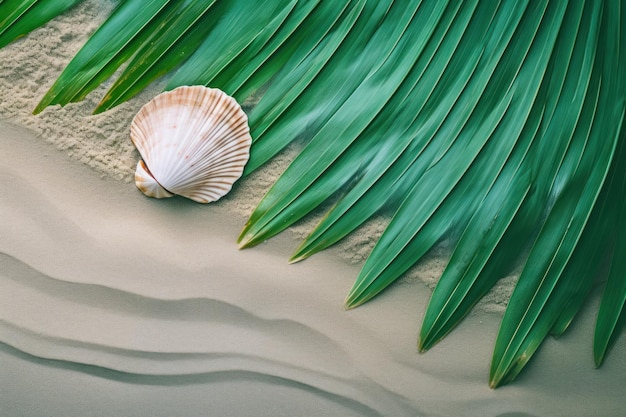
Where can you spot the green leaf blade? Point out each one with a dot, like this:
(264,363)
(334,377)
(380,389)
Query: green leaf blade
(108,44)
(20,17)
(341,130)
(165,50)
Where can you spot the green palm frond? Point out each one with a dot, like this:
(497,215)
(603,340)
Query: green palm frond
(501,123)
(19,17)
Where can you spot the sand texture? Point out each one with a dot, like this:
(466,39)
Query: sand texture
(114,304)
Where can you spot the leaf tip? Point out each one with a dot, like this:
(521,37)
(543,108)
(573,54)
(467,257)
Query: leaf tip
(40,107)
(99,109)
(296,258)
(299,255)
(247,240)
(352,301)
(422,343)
(598,358)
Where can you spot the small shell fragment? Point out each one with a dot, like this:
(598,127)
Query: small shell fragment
(194,141)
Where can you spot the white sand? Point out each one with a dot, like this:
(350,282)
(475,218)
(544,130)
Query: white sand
(146,307)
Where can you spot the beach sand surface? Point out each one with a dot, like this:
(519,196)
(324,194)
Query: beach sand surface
(119,304)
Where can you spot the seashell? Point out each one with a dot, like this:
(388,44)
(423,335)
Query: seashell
(194,142)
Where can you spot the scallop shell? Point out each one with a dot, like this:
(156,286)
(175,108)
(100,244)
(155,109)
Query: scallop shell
(194,142)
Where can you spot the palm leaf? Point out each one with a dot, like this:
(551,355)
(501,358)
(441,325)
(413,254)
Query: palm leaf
(576,188)
(112,44)
(344,60)
(299,71)
(337,176)
(510,201)
(398,50)
(416,115)
(497,122)
(19,17)
(611,312)
(235,30)
(186,27)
